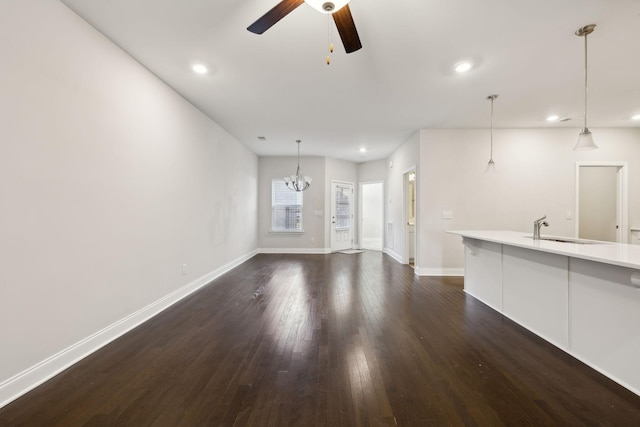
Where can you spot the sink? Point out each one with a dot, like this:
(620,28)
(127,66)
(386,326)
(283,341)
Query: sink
(566,240)
(554,239)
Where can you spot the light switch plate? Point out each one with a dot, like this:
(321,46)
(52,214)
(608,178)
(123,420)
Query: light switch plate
(447,215)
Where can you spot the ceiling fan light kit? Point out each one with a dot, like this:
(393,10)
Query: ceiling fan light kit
(324,6)
(339,10)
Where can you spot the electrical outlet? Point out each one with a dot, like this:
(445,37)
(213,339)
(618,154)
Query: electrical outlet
(184,269)
(447,215)
(313,240)
(569,215)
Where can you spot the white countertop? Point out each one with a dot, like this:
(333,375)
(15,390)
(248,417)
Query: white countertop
(620,254)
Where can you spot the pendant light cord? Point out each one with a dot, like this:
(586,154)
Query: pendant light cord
(491,154)
(491,98)
(586,88)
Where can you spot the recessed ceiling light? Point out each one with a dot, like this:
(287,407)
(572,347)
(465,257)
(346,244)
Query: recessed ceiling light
(363,150)
(462,67)
(553,118)
(636,117)
(199,68)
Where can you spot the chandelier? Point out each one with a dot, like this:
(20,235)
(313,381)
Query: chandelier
(297,182)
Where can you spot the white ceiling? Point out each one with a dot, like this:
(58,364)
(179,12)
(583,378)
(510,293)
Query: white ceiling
(277,85)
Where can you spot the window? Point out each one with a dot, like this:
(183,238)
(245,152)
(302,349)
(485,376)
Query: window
(343,208)
(286,207)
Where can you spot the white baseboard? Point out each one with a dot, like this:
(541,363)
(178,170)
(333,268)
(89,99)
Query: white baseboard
(605,373)
(32,377)
(317,251)
(440,271)
(374,244)
(392,254)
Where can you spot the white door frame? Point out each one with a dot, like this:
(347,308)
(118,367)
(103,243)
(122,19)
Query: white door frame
(361,213)
(332,208)
(622,208)
(405,190)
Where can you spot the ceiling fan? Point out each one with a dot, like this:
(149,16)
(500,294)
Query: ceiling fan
(339,9)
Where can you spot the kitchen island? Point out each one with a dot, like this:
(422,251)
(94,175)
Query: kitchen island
(582,296)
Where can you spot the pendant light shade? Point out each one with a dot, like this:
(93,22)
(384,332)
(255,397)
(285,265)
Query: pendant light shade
(297,182)
(491,164)
(585,139)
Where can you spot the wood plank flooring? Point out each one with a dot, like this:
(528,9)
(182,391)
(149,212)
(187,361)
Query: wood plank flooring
(327,340)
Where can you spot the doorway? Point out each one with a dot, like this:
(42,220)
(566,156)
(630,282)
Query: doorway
(601,201)
(372,215)
(341,216)
(409,208)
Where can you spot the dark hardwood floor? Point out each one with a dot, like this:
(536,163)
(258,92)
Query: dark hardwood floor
(335,340)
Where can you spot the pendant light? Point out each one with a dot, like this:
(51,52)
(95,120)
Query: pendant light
(585,139)
(491,164)
(297,182)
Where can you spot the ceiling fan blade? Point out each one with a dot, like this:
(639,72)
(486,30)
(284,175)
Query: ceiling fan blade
(278,12)
(347,29)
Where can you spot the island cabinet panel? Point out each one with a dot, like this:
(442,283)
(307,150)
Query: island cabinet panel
(536,292)
(583,296)
(604,326)
(483,271)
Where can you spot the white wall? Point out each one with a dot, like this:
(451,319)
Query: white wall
(535,175)
(109,183)
(313,200)
(316,199)
(373,171)
(403,159)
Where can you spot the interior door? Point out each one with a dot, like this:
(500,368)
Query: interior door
(341,216)
(598,207)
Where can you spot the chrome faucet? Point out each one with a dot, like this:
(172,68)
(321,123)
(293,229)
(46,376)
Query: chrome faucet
(537,225)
